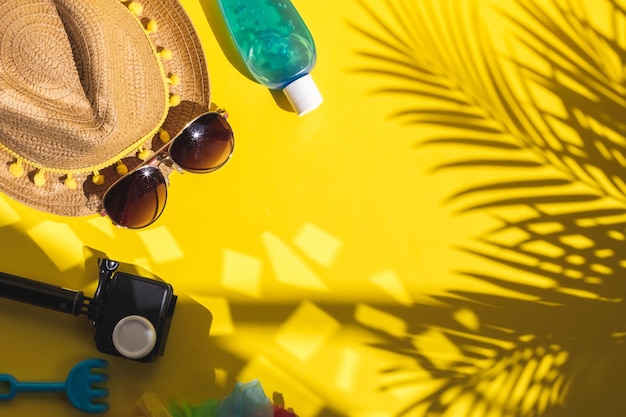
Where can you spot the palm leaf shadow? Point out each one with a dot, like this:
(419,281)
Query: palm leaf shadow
(592,101)
(559,158)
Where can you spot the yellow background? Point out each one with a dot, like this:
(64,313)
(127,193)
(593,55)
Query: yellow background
(329,235)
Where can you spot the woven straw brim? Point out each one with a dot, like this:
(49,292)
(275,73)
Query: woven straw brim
(176,33)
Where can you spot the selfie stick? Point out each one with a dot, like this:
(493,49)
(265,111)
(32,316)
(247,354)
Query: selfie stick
(43,295)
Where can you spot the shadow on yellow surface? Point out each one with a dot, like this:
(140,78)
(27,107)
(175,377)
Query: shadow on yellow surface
(538,117)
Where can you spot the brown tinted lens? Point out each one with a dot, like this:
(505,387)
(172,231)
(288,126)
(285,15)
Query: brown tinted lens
(138,199)
(204,145)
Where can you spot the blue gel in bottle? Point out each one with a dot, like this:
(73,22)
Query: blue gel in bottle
(276,47)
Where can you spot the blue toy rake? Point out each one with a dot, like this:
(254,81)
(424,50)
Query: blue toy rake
(82,386)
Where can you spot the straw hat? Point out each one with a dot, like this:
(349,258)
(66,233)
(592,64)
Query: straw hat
(87,90)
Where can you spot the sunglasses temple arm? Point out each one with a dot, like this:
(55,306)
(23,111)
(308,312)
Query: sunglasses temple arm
(42,295)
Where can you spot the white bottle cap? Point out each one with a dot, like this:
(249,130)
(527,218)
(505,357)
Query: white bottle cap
(303,95)
(134,337)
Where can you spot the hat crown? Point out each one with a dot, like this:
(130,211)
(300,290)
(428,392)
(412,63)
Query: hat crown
(43,62)
(80,85)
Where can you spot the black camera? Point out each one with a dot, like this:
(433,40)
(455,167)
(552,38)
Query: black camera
(131,314)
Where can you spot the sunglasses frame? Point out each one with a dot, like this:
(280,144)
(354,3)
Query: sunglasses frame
(160,156)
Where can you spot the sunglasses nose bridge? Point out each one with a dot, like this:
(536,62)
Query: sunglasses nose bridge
(159,157)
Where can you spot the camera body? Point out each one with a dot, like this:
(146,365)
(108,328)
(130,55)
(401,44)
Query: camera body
(135,318)
(131,314)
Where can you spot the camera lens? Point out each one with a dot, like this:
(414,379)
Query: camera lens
(134,337)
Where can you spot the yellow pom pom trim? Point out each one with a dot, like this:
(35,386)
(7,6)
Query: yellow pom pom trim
(174,80)
(165,54)
(70,182)
(164,136)
(174,100)
(97,178)
(135,8)
(121,168)
(39,179)
(152,26)
(16,169)
(144,154)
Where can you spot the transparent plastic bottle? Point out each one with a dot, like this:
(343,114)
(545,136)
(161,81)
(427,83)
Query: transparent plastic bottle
(276,46)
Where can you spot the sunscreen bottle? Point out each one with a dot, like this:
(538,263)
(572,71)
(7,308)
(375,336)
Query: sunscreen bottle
(276,46)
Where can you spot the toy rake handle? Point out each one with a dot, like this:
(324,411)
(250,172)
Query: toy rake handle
(14,386)
(40,294)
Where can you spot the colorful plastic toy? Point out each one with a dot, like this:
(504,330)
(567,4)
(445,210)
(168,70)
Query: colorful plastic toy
(82,386)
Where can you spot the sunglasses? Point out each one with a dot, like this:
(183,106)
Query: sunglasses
(138,198)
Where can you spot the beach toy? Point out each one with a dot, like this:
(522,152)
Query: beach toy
(82,386)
